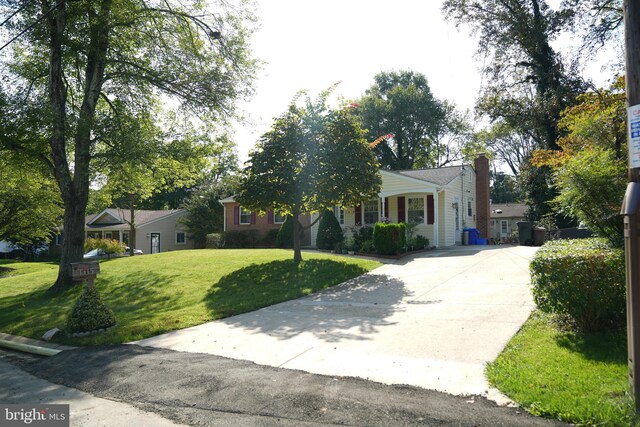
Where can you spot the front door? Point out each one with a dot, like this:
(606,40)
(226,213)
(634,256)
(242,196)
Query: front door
(155,243)
(504,228)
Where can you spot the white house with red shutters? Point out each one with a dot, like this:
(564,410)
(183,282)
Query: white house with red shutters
(441,201)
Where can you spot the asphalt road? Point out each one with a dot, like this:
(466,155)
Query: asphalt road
(207,390)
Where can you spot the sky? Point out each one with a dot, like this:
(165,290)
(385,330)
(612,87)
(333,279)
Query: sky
(312,45)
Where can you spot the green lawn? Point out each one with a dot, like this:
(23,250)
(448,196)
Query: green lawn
(152,294)
(578,378)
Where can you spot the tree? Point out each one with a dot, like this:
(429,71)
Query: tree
(30,205)
(401,103)
(504,188)
(590,170)
(312,159)
(329,231)
(528,84)
(89,62)
(204,211)
(508,145)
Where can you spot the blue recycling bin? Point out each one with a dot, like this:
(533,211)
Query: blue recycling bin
(474,234)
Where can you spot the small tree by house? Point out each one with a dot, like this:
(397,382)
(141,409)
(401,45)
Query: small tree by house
(329,231)
(313,158)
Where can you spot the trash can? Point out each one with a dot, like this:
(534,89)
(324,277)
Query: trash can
(538,236)
(525,232)
(465,236)
(474,235)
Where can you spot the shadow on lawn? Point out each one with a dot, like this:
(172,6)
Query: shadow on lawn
(363,303)
(610,347)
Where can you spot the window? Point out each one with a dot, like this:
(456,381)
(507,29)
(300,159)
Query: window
(107,235)
(125,237)
(181,238)
(278,218)
(59,239)
(505,227)
(245,216)
(416,210)
(469,209)
(339,212)
(371,212)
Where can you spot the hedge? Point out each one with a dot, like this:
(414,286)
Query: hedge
(583,279)
(388,239)
(90,313)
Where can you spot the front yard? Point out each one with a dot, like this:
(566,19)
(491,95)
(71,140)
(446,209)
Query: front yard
(153,294)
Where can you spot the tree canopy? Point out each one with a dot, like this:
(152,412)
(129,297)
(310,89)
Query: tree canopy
(313,158)
(70,83)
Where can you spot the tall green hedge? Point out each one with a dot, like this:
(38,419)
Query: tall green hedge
(284,239)
(583,279)
(329,231)
(388,239)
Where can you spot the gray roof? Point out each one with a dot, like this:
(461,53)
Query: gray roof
(440,176)
(509,210)
(124,215)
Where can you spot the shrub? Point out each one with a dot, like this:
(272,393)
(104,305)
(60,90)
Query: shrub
(236,239)
(367,247)
(329,231)
(90,313)
(388,239)
(285,234)
(269,239)
(421,242)
(110,247)
(360,235)
(583,279)
(215,241)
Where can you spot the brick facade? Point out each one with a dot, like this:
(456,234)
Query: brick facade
(261,223)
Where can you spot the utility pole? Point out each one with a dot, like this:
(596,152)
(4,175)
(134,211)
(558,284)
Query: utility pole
(631,203)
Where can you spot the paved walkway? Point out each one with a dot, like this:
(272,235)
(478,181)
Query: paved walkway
(432,321)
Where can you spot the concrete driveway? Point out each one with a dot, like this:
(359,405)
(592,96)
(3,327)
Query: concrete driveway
(431,321)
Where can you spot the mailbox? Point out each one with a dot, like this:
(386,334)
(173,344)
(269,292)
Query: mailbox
(85,271)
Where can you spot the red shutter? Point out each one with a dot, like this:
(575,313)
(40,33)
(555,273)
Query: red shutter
(430,210)
(359,214)
(269,217)
(402,217)
(253,217)
(386,207)
(236,215)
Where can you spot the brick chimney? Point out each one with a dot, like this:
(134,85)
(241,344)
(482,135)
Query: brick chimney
(483,210)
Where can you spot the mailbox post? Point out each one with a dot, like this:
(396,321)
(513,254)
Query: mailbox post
(85,271)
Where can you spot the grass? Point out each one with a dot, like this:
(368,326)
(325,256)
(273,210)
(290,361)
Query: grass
(577,378)
(153,294)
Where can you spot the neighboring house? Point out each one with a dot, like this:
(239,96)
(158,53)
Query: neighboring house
(505,218)
(442,201)
(156,231)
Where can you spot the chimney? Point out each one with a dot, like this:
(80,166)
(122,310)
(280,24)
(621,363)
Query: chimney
(483,209)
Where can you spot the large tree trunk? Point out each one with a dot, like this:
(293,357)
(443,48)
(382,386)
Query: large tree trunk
(132,226)
(74,186)
(297,253)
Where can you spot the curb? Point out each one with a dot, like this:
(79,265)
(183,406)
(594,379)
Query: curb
(29,345)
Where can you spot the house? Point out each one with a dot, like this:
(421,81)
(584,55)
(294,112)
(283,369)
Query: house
(442,202)
(240,219)
(505,218)
(156,231)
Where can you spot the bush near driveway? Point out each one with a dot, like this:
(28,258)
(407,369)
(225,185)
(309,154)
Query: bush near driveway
(389,239)
(583,279)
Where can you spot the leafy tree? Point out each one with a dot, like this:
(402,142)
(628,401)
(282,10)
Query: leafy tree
(401,103)
(313,158)
(590,170)
(204,212)
(88,63)
(504,188)
(528,84)
(507,145)
(30,205)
